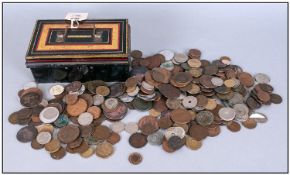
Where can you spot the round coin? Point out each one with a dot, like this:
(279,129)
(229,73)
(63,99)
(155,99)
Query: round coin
(43,138)
(56,90)
(135,158)
(198,132)
(204,118)
(137,140)
(52,146)
(85,118)
(68,133)
(49,114)
(227,113)
(26,134)
(58,154)
(181,116)
(104,150)
(234,126)
(262,78)
(155,138)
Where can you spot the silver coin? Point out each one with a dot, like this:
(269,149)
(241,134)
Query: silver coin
(180,57)
(81,90)
(241,111)
(111,103)
(204,118)
(236,99)
(85,119)
(126,98)
(155,138)
(167,65)
(117,127)
(217,81)
(259,117)
(98,99)
(168,54)
(227,113)
(56,90)
(174,131)
(49,114)
(262,78)
(189,102)
(131,127)
(43,137)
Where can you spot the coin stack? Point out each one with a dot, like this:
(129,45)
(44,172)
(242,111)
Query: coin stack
(187,98)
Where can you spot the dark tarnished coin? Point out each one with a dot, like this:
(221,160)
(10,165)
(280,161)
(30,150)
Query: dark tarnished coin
(58,154)
(169,91)
(26,134)
(68,133)
(135,158)
(75,143)
(175,142)
(210,70)
(136,54)
(86,131)
(266,87)
(204,118)
(61,121)
(252,103)
(137,140)
(31,97)
(13,118)
(114,138)
(275,98)
(198,132)
(73,87)
(141,105)
(117,89)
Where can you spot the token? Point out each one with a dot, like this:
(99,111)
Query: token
(76,109)
(85,118)
(103,90)
(180,116)
(68,133)
(131,127)
(168,54)
(58,154)
(275,98)
(26,134)
(114,138)
(88,153)
(174,131)
(198,132)
(262,78)
(117,127)
(204,118)
(175,142)
(189,102)
(227,113)
(95,111)
(56,90)
(49,114)
(137,140)
(43,138)
(136,54)
(155,138)
(104,150)
(52,146)
(135,158)
(259,117)
(192,144)
(234,126)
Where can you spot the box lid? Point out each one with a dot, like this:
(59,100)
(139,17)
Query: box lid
(93,42)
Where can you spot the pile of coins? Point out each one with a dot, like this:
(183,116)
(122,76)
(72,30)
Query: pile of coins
(187,99)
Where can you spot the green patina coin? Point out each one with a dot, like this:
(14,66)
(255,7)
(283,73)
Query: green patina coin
(61,121)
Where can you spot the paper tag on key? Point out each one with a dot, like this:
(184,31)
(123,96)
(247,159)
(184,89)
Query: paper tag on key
(75,18)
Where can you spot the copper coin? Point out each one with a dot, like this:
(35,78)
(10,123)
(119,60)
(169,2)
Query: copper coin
(266,87)
(76,143)
(117,89)
(160,105)
(165,122)
(73,87)
(194,53)
(136,54)
(131,82)
(13,118)
(137,140)
(114,138)
(82,148)
(53,146)
(250,123)
(103,90)
(95,111)
(192,143)
(148,125)
(101,132)
(26,134)
(71,98)
(213,130)
(198,132)
(263,96)
(36,145)
(169,91)
(205,80)
(58,154)
(181,116)
(89,99)
(201,100)
(234,126)
(135,158)
(275,98)
(76,109)
(68,133)
(161,75)
(86,131)
(246,79)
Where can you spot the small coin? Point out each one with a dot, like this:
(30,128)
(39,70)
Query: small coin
(194,53)
(98,99)
(104,150)
(58,154)
(241,112)
(135,158)
(250,123)
(204,118)
(234,126)
(156,138)
(275,98)
(114,138)
(262,78)
(49,114)
(36,145)
(217,81)
(111,103)
(68,133)
(138,140)
(131,127)
(26,134)
(56,90)
(95,111)
(52,146)
(148,125)
(117,126)
(136,54)
(192,144)
(88,153)
(189,102)
(181,116)
(43,138)
(103,90)
(227,113)
(85,118)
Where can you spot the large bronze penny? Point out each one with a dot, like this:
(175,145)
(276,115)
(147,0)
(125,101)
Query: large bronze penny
(148,125)
(137,140)
(68,133)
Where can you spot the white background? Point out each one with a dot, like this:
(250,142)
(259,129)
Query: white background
(253,35)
